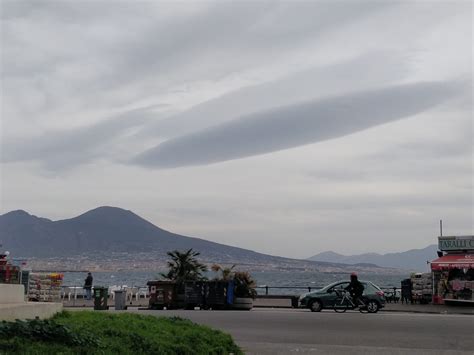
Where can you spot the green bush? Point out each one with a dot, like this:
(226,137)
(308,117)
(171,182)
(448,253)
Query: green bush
(47,331)
(102,333)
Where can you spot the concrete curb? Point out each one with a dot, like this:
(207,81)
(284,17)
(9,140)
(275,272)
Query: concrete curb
(384,310)
(424,312)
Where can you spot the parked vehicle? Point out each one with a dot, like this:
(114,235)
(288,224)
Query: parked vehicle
(325,298)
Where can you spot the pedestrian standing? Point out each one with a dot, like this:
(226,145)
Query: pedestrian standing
(88,286)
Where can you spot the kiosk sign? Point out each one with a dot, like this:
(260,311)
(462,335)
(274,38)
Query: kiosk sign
(456,243)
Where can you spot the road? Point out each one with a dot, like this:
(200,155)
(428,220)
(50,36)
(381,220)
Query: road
(271,331)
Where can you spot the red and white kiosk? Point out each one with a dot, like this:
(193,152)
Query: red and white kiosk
(453,271)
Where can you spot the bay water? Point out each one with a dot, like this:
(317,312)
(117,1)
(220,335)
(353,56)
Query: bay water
(277,281)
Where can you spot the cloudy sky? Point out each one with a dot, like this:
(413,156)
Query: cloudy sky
(289,128)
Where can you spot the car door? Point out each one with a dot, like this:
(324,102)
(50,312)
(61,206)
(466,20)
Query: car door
(369,291)
(332,295)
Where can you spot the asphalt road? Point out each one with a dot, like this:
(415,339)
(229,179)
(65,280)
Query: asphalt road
(270,331)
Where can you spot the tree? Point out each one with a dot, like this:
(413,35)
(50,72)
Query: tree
(184,267)
(244,285)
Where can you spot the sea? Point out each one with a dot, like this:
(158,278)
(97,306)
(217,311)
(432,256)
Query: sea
(278,282)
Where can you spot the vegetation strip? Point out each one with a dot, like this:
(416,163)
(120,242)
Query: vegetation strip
(102,333)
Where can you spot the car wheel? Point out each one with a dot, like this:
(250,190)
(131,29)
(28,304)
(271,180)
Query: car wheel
(316,306)
(372,306)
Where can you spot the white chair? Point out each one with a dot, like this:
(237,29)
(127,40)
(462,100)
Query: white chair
(131,291)
(73,291)
(142,291)
(63,292)
(112,290)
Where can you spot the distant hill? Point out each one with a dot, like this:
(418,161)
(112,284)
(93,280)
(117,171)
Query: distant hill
(108,229)
(105,233)
(414,259)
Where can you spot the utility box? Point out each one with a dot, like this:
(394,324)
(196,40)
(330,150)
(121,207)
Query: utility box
(162,294)
(195,294)
(216,294)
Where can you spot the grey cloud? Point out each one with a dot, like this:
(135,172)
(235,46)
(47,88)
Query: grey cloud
(224,39)
(399,165)
(296,125)
(63,149)
(379,203)
(362,72)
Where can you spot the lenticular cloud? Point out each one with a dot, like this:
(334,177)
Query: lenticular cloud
(298,124)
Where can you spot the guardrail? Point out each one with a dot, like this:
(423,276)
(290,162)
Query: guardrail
(71,293)
(74,295)
(310,288)
(267,288)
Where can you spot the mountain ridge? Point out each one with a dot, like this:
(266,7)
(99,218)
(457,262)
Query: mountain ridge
(413,259)
(106,234)
(113,238)
(114,219)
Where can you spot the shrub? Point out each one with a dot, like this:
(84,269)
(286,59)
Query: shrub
(86,332)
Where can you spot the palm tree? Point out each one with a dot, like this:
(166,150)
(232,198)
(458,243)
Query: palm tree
(184,267)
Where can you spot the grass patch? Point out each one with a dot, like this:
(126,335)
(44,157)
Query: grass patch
(88,332)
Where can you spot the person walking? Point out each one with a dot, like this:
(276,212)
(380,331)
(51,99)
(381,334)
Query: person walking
(88,286)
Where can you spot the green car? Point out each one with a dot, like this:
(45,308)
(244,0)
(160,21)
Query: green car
(325,297)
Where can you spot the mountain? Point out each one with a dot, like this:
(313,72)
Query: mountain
(414,259)
(108,229)
(113,238)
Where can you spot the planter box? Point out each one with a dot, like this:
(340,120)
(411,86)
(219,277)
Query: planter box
(245,304)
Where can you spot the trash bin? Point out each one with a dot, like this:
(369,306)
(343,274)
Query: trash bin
(406,291)
(100,298)
(120,300)
(294,302)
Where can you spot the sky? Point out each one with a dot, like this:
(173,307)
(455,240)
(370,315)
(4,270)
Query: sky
(285,127)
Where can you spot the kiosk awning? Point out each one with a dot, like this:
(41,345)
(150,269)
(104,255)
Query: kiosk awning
(460,261)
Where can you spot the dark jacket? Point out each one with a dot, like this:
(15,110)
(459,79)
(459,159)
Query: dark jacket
(88,282)
(355,288)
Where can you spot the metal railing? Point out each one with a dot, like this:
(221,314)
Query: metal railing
(72,293)
(386,289)
(308,288)
(79,289)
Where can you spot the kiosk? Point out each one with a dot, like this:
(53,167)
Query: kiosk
(453,271)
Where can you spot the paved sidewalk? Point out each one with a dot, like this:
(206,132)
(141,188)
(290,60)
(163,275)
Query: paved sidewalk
(428,308)
(389,307)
